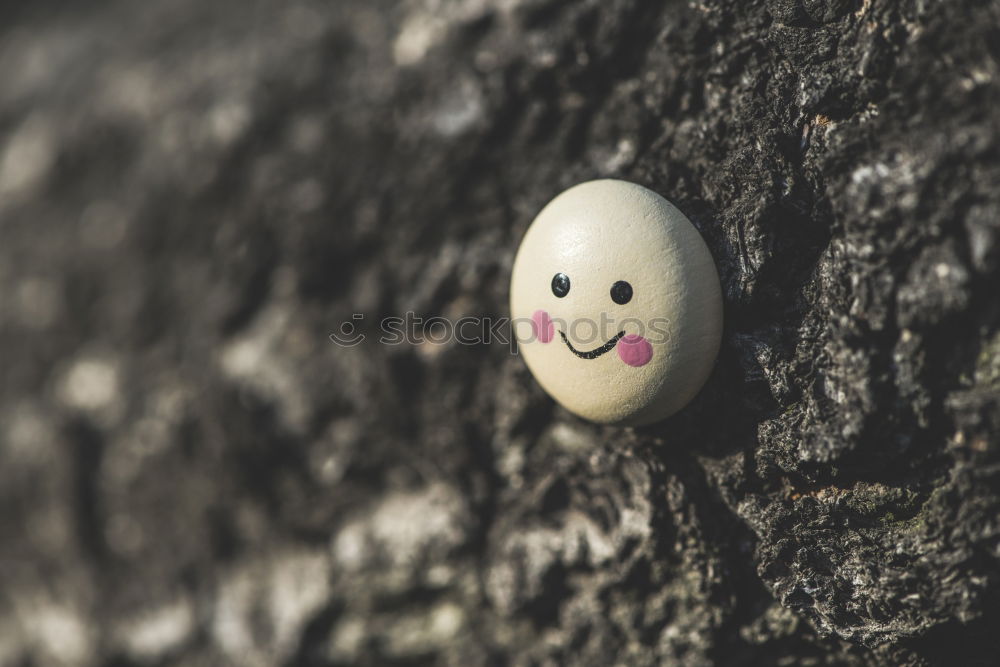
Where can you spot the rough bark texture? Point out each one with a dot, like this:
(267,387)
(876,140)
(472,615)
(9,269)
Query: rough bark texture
(194,195)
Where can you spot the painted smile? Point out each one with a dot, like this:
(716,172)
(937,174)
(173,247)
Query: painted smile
(596,352)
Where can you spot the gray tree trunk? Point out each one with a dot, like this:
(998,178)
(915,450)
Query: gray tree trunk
(194,195)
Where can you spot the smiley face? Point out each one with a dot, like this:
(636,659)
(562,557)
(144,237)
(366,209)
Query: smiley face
(616,303)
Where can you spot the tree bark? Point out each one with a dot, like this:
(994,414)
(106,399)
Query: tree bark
(194,196)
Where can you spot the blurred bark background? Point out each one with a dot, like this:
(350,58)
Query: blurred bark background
(194,195)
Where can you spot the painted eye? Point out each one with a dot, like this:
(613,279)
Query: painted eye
(621,292)
(560,285)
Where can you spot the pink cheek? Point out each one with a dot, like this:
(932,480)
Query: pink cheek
(542,326)
(635,350)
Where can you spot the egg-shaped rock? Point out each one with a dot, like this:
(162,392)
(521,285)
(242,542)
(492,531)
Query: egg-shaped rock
(616,303)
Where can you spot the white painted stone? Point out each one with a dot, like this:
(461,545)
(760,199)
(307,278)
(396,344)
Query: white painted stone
(650,354)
